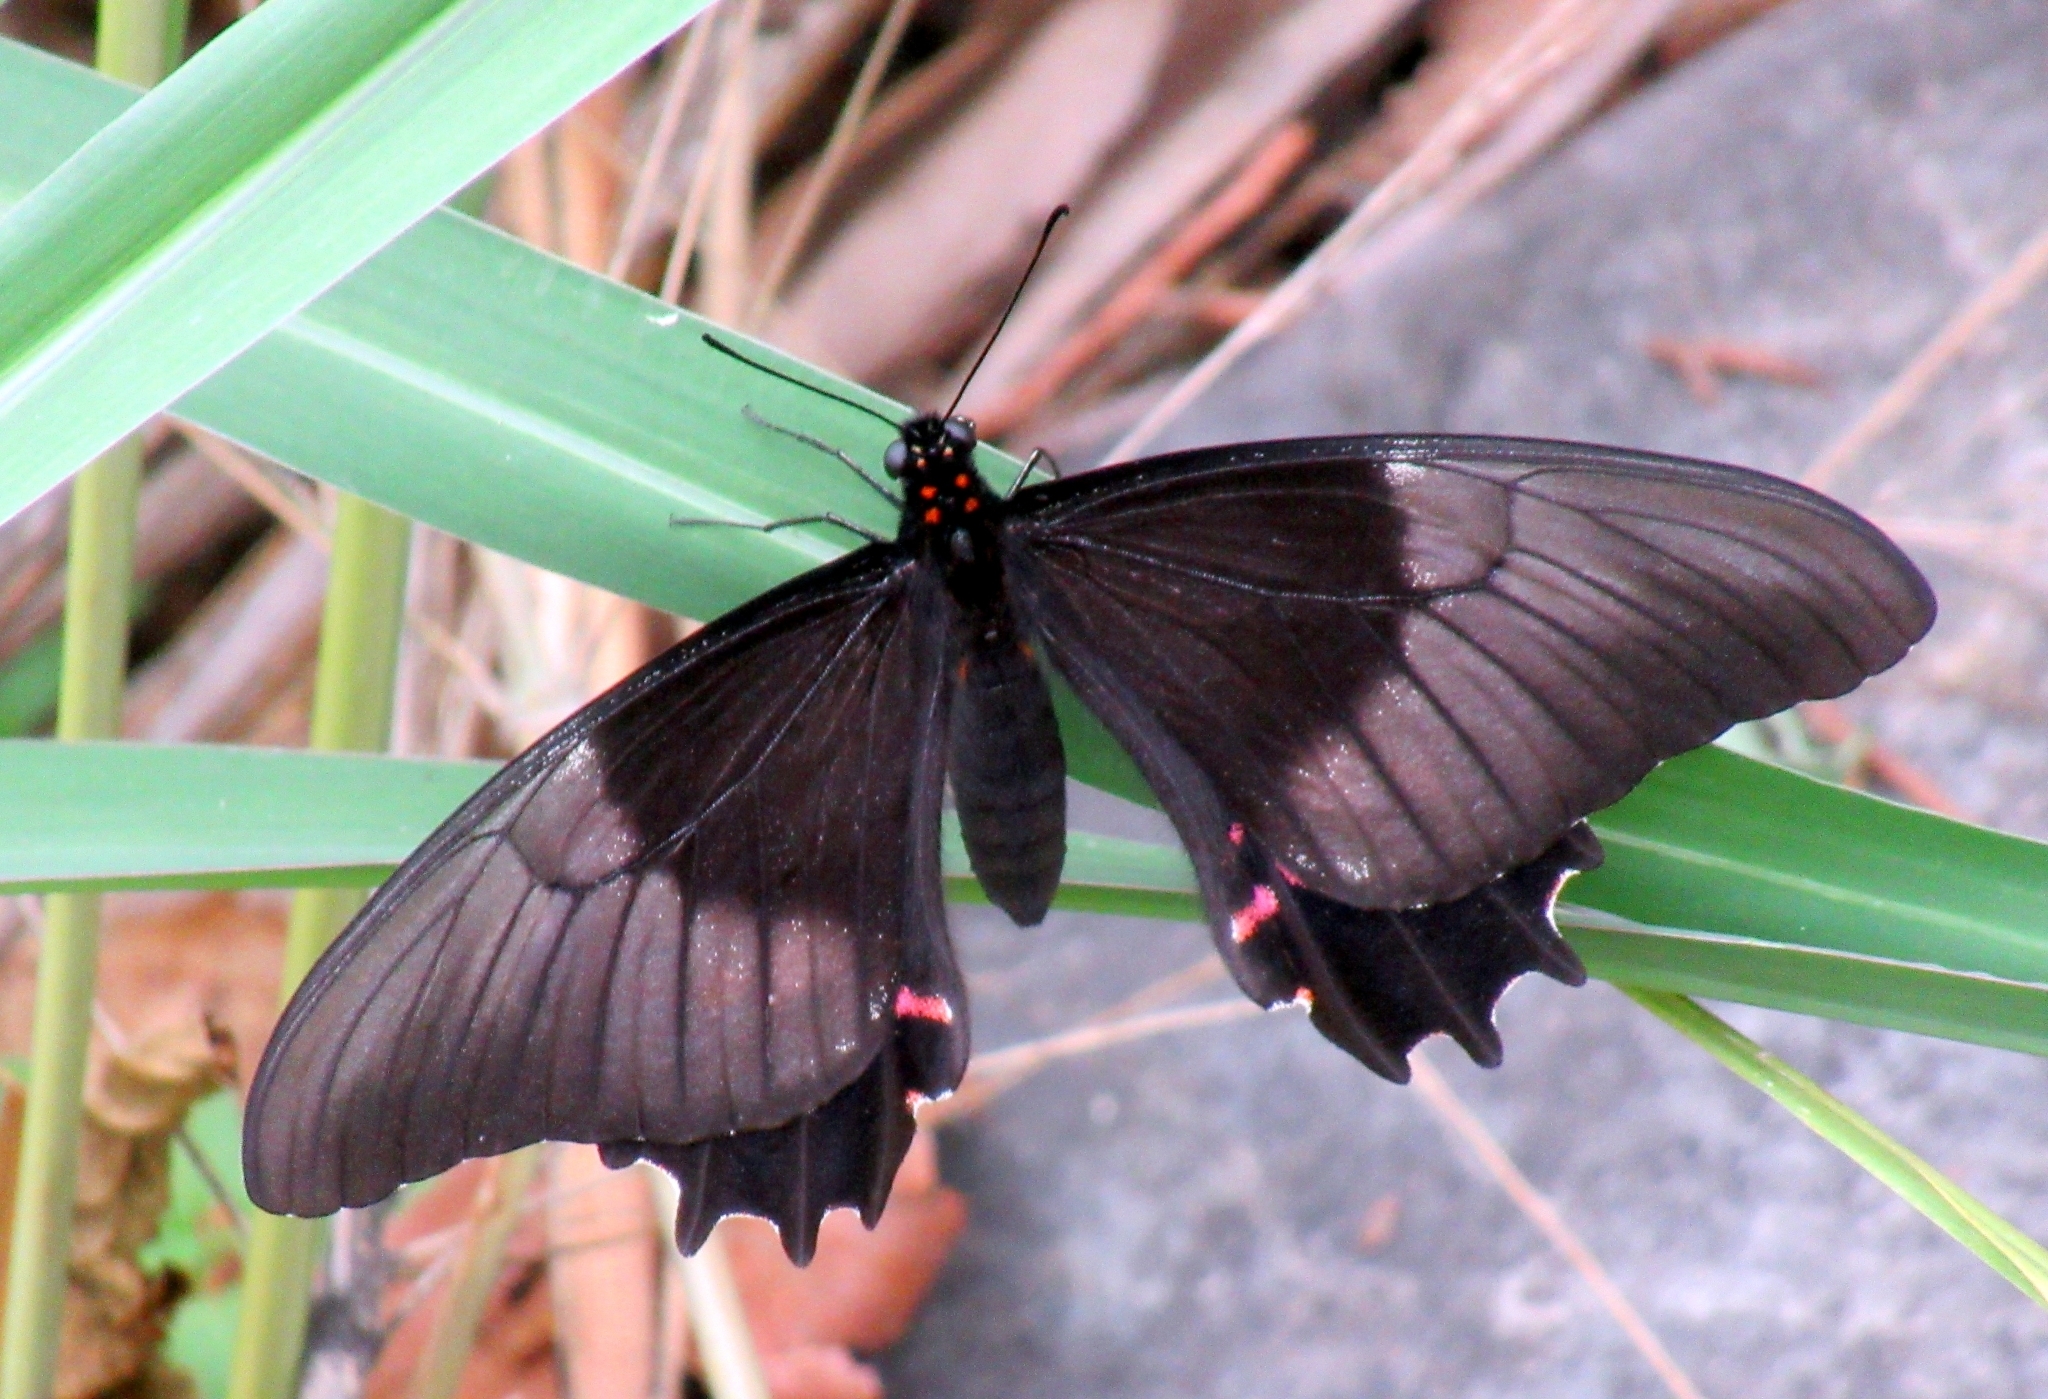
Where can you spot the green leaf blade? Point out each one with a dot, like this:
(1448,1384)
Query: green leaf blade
(85,816)
(1720,842)
(280,158)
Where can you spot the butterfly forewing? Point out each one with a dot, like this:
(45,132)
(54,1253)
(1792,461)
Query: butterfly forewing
(1408,665)
(687,912)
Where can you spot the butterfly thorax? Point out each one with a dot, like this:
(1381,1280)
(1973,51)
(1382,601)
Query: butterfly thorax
(949,512)
(1004,758)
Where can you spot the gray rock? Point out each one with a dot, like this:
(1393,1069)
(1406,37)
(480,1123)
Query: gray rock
(1184,1216)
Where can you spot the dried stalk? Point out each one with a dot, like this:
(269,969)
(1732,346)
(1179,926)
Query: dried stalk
(297,516)
(1241,198)
(1546,81)
(2004,292)
(837,147)
(992,1073)
(675,98)
(730,128)
(495,1214)
(13,1104)
(1460,1121)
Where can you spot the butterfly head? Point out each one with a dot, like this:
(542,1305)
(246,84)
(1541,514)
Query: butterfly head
(929,444)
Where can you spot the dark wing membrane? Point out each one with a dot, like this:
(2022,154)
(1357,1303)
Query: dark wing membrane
(700,909)
(842,1154)
(1377,982)
(1407,665)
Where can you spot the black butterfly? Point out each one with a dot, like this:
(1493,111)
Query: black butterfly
(1376,682)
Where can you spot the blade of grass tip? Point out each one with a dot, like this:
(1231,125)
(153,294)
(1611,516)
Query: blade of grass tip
(895,24)
(358,662)
(711,1301)
(454,1332)
(2022,1262)
(138,41)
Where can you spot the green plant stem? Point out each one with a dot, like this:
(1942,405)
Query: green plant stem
(2023,1262)
(358,662)
(139,41)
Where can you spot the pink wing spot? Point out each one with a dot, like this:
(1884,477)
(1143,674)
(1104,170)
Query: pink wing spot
(1237,833)
(1304,998)
(911,1006)
(1243,923)
(912,1098)
(1289,875)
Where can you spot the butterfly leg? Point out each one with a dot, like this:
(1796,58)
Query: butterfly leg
(1039,458)
(685,522)
(820,444)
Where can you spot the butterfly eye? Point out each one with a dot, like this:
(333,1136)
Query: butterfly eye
(960,432)
(897,459)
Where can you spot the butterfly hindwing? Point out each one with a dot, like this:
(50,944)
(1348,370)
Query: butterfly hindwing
(1380,981)
(1377,682)
(1410,664)
(702,909)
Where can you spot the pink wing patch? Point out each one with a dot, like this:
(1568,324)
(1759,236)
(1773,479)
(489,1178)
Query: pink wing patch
(1243,923)
(911,1006)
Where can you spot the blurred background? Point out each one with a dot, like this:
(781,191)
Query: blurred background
(1803,235)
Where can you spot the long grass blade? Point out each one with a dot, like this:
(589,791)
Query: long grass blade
(294,146)
(1725,877)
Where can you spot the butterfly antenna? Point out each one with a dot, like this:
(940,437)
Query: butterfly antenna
(719,345)
(1044,237)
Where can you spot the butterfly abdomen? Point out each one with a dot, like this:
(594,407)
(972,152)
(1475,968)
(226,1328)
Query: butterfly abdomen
(1009,773)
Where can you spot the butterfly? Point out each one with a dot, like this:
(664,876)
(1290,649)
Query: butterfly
(1376,682)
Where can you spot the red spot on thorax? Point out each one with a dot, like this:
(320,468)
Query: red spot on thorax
(931,516)
(928,491)
(973,504)
(912,1006)
(960,481)
(1245,922)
